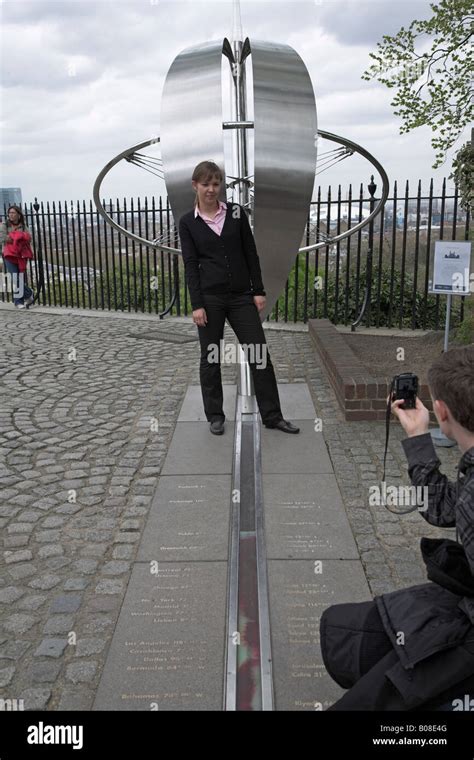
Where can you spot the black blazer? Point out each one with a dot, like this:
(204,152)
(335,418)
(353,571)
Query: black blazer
(225,263)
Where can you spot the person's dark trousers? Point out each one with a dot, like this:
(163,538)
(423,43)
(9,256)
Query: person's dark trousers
(20,289)
(357,653)
(242,315)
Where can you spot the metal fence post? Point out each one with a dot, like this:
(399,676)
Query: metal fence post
(372,187)
(39,253)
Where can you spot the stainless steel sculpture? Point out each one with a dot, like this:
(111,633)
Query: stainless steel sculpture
(285,145)
(191,121)
(277,194)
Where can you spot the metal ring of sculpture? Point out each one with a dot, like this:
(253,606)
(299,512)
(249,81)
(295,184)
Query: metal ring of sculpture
(130,155)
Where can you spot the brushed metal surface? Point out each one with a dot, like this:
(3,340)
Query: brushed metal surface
(285,159)
(191,121)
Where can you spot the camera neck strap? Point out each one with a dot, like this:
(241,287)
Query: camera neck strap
(387,425)
(387,435)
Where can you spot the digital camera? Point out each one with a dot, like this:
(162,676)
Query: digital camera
(405,386)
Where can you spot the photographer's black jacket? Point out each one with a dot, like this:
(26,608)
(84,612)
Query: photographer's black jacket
(219,263)
(432,618)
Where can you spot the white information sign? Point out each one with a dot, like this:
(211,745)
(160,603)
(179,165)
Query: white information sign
(452,260)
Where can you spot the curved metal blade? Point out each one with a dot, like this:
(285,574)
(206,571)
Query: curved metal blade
(191,121)
(285,157)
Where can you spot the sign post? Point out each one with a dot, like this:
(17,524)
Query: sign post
(451,276)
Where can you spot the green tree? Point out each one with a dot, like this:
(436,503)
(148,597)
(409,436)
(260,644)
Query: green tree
(463,174)
(434,86)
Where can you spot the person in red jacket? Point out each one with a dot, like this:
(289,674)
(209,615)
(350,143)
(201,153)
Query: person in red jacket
(15,241)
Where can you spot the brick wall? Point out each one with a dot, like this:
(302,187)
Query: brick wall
(361,395)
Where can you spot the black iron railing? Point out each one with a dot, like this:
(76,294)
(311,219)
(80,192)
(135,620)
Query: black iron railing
(87,264)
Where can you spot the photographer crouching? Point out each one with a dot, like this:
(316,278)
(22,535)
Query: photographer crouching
(414,648)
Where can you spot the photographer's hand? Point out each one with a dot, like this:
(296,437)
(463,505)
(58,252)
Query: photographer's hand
(413,421)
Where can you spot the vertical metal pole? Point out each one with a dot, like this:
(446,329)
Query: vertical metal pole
(439,438)
(244,381)
(394,245)
(80,270)
(94,263)
(441,237)
(58,267)
(249,666)
(74,249)
(368,273)
(427,259)
(417,249)
(372,187)
(404,253)
(380,262)
(50,266)
(348,256)
(239,80)
(316,253)
(134,260)
(338,256)
(448,317)
(326,261)
(39,253)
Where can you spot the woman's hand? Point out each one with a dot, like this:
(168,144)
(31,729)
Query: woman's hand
(200,317)
(413,421)
(259,302)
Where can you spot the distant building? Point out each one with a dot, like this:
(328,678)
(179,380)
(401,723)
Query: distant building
(8,197)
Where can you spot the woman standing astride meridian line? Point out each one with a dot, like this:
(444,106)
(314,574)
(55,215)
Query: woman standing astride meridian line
(225,281)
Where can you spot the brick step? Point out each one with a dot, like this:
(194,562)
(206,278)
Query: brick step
(361,395)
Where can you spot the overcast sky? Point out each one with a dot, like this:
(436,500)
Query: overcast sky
(82,81)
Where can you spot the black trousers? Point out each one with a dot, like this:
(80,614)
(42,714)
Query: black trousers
(243,317)
(357,653)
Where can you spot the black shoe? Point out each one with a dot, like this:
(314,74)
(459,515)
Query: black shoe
(217,427)
(285,426)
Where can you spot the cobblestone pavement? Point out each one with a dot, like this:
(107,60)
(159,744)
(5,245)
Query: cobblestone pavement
(88,410)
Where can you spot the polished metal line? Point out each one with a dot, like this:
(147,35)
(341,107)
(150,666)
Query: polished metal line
(266,670)
(247,408)
(230,688)
(245,401)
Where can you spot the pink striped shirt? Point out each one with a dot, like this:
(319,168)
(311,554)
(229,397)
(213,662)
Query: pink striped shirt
(216,224)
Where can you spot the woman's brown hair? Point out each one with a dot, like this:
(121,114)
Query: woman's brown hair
(20,213)
(205,171)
